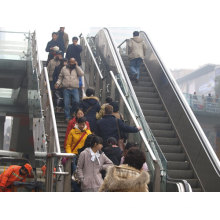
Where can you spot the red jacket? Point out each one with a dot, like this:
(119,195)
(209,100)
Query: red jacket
(70,126)
(11,175)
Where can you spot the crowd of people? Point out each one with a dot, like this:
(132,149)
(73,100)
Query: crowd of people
(96,134)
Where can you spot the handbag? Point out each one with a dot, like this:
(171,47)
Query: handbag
(120,140)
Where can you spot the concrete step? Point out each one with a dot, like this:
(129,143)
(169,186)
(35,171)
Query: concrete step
(180,174)
(171,148)
(160,126)
(167,141)
(164,133)
(174,165)
(177,157)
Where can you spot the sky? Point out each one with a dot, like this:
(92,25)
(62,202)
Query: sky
(185,33)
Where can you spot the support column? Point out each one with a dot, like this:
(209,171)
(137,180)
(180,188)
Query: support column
(2,126)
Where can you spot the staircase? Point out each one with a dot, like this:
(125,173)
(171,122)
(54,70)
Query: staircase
(178,165)
(61,127)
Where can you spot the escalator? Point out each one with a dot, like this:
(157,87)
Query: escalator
(160,103)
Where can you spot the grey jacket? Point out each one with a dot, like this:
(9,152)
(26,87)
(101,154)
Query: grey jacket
(136,48)
(51,67)
(88,171)
(69,79)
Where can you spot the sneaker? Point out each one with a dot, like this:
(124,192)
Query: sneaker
(136,80)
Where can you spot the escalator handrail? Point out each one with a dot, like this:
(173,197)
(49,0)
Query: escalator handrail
(56,136)
(121,67)
(93,58)
(207,146)
(187,187)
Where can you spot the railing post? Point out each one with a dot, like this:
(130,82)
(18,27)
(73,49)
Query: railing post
(67,178)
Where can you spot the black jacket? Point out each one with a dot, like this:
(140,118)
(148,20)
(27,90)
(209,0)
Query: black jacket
(107,127)
(50,44)
(90,114)
(73,51)
(114,154)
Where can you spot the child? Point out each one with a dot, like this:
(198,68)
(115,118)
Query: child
(112,151)
(91,162)
(79,114)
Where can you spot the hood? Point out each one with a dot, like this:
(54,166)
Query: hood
(126,178)
(91,98)
(137,39)
(84,129)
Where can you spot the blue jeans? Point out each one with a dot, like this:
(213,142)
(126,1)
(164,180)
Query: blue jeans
(74,95)
(135,67)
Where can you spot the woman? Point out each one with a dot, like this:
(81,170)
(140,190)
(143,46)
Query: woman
(90,106)
(79,114)
(91,162)
(128,177)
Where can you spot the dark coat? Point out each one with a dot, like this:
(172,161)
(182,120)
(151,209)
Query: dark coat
(90,115)
(50,44)
(113,153)
(73,51)
(107,127)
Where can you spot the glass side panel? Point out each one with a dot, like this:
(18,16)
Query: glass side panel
(13,45)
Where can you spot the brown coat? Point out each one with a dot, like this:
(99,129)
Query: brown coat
(70,79)
(88,171)
(51,67)
(124,178)
(66,40)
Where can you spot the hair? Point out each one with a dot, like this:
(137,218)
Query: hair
(62,61)
(96,140)
(75,38)
(81,120)
(54,33)
(88,140)
(111,141)
(135,158)
(108,109)
(90,92)
(130,145)
(135,33)
(79,109)
(115,106)
(108,99)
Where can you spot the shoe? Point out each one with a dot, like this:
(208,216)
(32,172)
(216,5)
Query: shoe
(136,80)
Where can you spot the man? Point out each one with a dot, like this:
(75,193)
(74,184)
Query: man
(52,65)
(136,52)
(12,174)
(69,78)
(110,126)
(74,50)
(64,38)
(52,47)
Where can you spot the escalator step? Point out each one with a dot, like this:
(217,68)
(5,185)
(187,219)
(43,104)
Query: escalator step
(193,182)
(171,148)
(163,133)
(159,113)
(175,156)
(151,106)
(167,141)
(149,100)
(160,126)
(180,174)
(142,83)
(146,94)
(173,165)
(196,189)
(143,88)
(153,119)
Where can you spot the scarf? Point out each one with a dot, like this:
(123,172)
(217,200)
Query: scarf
(94,155)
